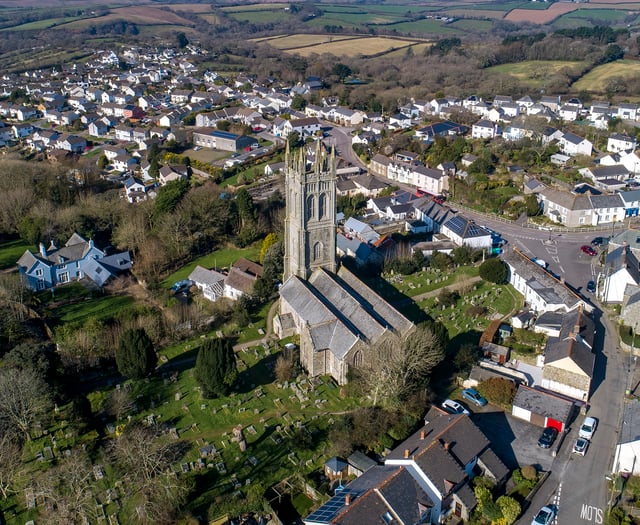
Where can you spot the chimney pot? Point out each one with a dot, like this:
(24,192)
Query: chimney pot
(406,453)
(422,435)
(446,445)
(347,499)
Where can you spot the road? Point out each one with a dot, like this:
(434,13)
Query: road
(578,484)
(341,138)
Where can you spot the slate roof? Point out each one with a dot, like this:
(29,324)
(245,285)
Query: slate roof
(630,422)
(572,138)
(543,402)
(575,342)
(207,277)
(361,461)
(239,280)
(609,172)
(550,320)
(465,228)
(624,257)
(341,310)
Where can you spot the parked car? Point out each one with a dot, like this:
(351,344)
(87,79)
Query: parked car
(591,287)
(547,438)
(580,446)
(471,394)
(453,407)
(545,516)
(588,250)
(182,286)
(599,241)
(540,262)
(588,428)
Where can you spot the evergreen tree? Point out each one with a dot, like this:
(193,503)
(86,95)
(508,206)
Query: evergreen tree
(136,356)
(494,271)
(215,367)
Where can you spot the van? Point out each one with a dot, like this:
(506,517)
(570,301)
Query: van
(540,262)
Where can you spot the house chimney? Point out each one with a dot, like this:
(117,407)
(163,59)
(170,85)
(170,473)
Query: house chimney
(447,445)
(43,250)
(422,435)
(347,499)
(406,453)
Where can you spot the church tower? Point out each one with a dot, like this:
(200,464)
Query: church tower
(309,227)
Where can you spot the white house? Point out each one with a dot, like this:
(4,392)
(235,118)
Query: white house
(209,282)
(621,269)
(572,144)
(618,142)
(484,129)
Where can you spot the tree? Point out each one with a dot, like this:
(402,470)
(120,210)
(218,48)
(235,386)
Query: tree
(103,162)
(494,271)
(268,241)
(145,458)
(393,369)
(11,466)
(298,103)
(498,391)
(181,39)
(342,71)
(25,401)
(136,357)
(216,368)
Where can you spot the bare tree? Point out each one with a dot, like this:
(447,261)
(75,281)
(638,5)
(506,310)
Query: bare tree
(145,460)
(11,466)
(68,488)
(284,368)
(119,403)
(24,400)
(394,369)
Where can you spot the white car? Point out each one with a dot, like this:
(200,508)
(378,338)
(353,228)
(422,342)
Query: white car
(580,446)
(545,516)
(453,407)
(588,428)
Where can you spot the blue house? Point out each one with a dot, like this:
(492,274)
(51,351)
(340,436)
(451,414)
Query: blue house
(77,259)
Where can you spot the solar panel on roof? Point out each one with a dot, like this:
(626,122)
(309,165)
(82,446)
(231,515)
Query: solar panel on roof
(331,508)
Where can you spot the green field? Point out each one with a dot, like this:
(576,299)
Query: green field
(425,26)
(466,24)
(596,79)
(535,73)
(264,16)
(44,24)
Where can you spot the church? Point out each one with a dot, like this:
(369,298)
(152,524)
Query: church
(335,314)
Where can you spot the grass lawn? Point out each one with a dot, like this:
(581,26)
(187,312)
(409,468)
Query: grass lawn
(11,251)
(218,259)
(98,307)
(597,78)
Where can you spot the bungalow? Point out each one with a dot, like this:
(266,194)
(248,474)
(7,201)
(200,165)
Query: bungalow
(209,282)
(77,259)
(241,278)
(465,232)
(173,172)
(627,111)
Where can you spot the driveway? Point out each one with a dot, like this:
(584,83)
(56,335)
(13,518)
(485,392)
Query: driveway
(514,441)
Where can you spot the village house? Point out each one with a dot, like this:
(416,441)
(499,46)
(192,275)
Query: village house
(77,259)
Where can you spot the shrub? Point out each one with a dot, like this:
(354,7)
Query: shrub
(529,472)
(498,391)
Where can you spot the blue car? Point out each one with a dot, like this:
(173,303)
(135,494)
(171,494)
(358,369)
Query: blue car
(471,394)
(182,286)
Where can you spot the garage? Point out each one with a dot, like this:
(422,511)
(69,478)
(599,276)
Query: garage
(542,408)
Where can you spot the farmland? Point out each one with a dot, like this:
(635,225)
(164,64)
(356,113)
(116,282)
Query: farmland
(535,73)
(597,78)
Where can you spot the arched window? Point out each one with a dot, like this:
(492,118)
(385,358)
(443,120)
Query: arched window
(357,359)
(317,251)
(322,205)
(311,205)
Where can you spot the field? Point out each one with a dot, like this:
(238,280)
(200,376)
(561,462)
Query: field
(597,78)
(534,73)
(541,17)
(366,46)
(286,42)
(136,15)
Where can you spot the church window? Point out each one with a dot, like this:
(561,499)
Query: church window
(317,251)
(357,359)
(322,205)
(311,204)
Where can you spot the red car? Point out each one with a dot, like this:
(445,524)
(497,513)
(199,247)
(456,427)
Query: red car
(588,250)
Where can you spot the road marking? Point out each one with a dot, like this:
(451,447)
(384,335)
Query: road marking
(556,502)
(591,513)
(561,269)
(555,258)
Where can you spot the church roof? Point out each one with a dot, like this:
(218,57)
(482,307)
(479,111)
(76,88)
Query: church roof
(341,310)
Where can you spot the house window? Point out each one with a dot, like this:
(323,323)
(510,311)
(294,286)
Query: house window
(62,266)
(64,277)
(387,517)
(39,272)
